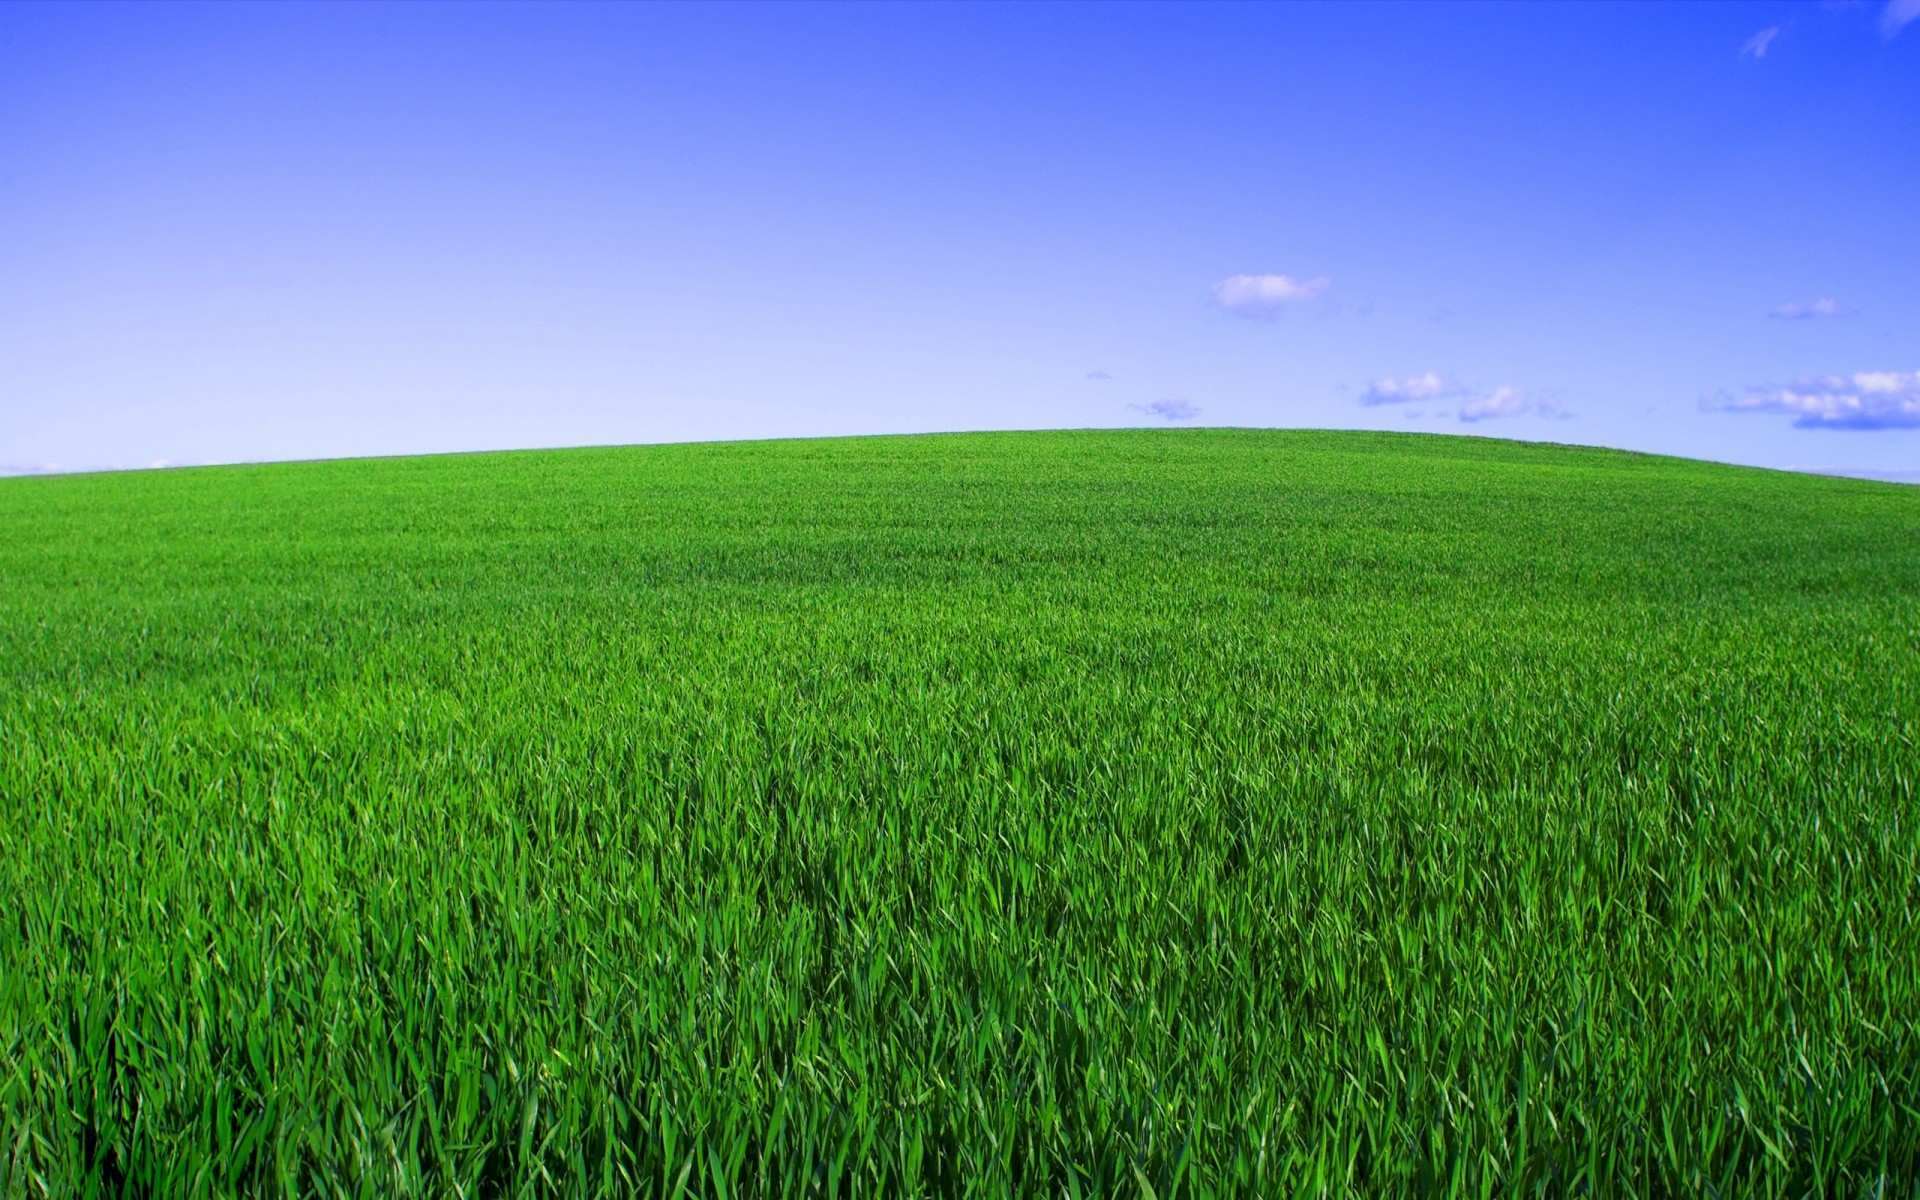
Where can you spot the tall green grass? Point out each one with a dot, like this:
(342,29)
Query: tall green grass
(1192,813)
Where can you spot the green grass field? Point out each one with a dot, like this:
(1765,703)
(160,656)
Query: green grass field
(1169,812)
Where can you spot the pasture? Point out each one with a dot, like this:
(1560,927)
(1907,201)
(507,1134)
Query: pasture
(1171,813)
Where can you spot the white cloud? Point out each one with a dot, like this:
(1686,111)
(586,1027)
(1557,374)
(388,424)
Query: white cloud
(1897,15)
(1262,295)
(1756,46)
(1502,402)
(1865,400)
(1171,409)
(1824,307)
(1098,375)
(1475,405)
(1430,386)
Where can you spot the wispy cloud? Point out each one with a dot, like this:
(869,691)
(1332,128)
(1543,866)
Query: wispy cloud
(1756,46)
(1098,375)
(1897,15)
(1431,386)
(1824,307)
(54,468)
(1171,409)
(1263,295)
(1866,400)
(1475,405)
(1503,402)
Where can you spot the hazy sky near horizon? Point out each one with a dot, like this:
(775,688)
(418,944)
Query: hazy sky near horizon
(242,232)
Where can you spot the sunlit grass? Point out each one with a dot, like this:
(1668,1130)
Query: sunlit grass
(1201,812)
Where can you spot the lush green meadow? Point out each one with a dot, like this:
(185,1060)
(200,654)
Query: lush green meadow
(1167,812)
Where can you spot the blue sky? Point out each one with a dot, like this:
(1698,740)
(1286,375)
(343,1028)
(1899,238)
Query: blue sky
(246,232)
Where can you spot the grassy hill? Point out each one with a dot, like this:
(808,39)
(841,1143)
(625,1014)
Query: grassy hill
(1199,812)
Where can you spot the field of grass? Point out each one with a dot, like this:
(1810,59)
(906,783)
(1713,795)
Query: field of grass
(1172,813)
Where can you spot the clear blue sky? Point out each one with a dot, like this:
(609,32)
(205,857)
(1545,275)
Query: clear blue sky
(239,232)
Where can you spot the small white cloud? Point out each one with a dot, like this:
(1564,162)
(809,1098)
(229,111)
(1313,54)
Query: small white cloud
(1865,400)
(1262,295)
(1475,405)
(1171,409)
(1430,386)
(1502,402)
(1897,15)
(1098,375)
(1756,46)
(1824,307)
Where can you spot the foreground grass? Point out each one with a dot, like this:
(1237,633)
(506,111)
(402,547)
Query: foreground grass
(1193,813)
